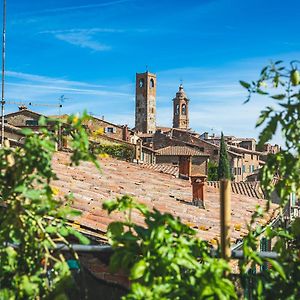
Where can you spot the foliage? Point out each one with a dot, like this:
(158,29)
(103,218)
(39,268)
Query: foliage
(120,151)
(224,166)
(280,176)
(212,171)
(165,260)
(33,219)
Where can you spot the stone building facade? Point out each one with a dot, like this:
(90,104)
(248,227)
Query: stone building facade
(23,118)
(181,110)
(145,105)
(99,127)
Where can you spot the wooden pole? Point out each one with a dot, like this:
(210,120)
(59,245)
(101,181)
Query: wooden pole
(225,209)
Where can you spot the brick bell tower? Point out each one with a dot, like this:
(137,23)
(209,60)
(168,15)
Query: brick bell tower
(145,103)
(181,110)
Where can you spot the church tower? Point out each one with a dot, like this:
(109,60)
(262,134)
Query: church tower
(181,110)
(145,102)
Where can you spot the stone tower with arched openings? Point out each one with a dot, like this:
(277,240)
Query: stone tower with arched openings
(181,110)
(145,103)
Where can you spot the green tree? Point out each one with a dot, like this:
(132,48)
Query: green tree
(212,171)
(33,218)
(224,166)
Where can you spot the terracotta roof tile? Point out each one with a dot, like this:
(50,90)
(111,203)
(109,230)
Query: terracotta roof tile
(180,151)
(162,191)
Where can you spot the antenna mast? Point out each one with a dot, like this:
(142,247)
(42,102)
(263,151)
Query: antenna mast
(3,73)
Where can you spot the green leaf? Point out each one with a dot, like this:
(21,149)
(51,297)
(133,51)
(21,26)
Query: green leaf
(138,269)
(261,92)
(263,116)
(115,229)
(278,62)
(27,131)
(268,131)
(277,267)
(245,84)
(279,96)
(82,239)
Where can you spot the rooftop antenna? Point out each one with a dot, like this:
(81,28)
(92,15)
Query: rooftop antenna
(61,100)
(3,72)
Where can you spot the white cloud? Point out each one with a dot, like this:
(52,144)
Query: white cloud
(82,39)
(79,7)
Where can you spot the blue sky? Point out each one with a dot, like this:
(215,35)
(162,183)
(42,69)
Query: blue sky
(90,50)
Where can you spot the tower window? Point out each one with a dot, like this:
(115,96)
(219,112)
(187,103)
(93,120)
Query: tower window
(151,83)
(177,109)
(183,109)
(141,82)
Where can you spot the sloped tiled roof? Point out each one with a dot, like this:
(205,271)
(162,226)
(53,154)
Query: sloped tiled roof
(180,151)
(20,112)
(163,168)
(161,191)
(249,189)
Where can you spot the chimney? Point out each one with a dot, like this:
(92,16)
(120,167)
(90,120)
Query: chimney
(185,167)
(138,151)
(198,186)
(125,133)
(22,107)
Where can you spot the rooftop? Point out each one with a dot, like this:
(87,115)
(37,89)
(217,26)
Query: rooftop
(180,151)
(161,191)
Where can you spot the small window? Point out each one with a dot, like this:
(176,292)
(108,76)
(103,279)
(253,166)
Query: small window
(177,109)
(141,82)
(110,130)
(183,109)
(152,110)
(244,169)
(31,122)
(216,152)
(151,83)
(201,149)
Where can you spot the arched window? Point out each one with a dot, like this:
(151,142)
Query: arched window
(151,83)
(177,110)
(183,109)
(141,82)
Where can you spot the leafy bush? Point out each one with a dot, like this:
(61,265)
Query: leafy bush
(212,171)
(280,176)
(120,151)
(164,259)
(33,219)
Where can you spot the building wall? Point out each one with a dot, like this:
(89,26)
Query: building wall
(13,135)
(161,140)
(199,163)
(99,127)
(22,118)
(145,109)
(250,145)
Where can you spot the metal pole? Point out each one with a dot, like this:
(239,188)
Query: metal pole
(225,209)
(3,73)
